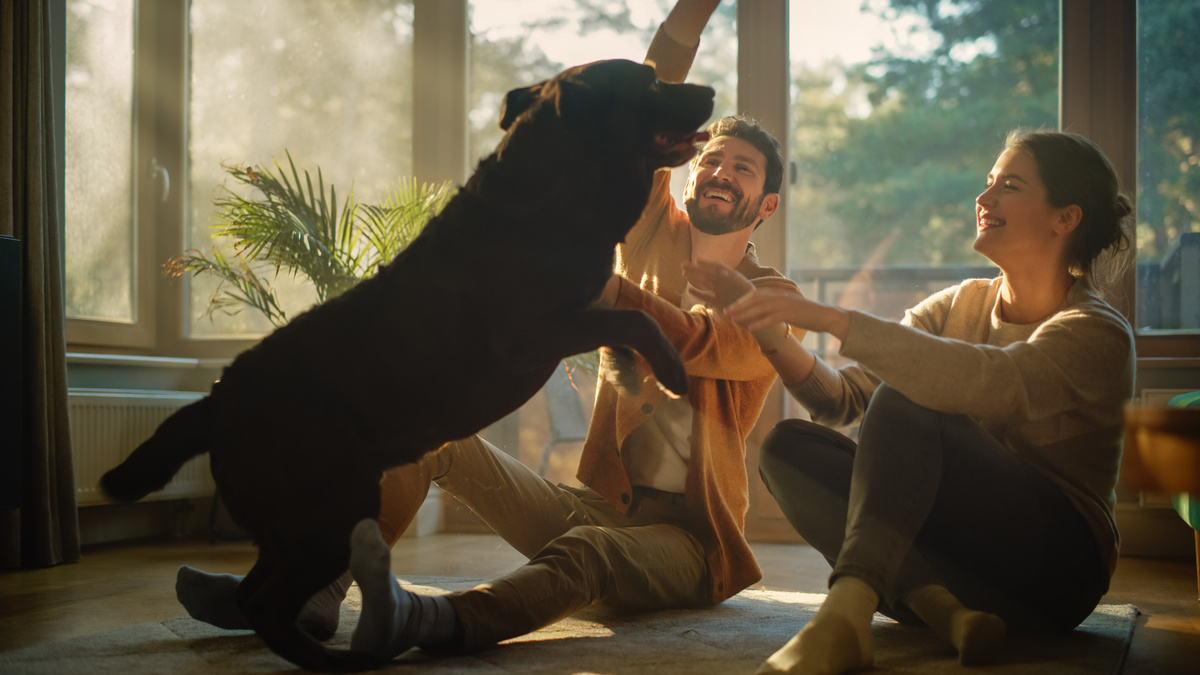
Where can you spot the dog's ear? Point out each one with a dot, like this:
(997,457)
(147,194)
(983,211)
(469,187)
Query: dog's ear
(579,104)
(516,102)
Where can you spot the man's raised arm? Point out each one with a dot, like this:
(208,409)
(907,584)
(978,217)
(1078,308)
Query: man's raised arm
(675,44)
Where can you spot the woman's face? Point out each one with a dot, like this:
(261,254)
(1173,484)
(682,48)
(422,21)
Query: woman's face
(1015,224)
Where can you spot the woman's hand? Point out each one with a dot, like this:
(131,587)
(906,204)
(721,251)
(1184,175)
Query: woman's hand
(767,306)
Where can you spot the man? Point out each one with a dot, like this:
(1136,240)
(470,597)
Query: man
(660,522)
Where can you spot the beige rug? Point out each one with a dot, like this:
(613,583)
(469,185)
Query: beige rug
(731,638)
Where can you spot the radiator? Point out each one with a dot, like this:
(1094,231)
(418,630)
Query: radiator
(107,424)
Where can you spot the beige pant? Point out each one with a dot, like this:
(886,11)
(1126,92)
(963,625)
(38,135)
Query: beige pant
(581,550)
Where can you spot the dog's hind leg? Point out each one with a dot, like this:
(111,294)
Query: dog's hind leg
(271,597)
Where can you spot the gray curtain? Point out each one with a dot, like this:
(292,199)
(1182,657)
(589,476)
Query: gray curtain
(44,528)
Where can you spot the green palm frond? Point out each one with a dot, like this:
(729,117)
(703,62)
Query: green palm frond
(293,227)
(389,228)
(240,284)
(302,230)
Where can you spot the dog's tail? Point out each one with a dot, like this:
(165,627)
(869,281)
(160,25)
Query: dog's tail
(180,437)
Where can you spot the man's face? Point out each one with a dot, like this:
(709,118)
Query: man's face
(724,193)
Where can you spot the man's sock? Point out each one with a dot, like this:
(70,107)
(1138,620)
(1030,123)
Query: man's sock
(393,620)
(976,635)
(837,639)
(212,598)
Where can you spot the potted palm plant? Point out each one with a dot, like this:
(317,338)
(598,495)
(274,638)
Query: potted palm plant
(302,230)
(295,228)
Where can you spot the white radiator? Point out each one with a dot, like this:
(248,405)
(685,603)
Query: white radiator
(107,424)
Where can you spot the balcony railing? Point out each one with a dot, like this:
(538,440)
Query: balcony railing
(1168,291)
(1168,294)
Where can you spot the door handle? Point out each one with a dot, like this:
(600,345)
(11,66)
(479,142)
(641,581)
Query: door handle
(159,172)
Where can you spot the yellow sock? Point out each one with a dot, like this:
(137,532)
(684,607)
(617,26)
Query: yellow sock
(975,635)
(837,639)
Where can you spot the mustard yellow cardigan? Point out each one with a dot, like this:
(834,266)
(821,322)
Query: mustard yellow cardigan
(728,381)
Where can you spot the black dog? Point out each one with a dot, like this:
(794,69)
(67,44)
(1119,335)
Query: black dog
(459,330)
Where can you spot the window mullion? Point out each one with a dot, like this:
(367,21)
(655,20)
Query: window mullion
(440,64)
(763,86)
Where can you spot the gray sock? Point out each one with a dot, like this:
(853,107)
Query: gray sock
(212,598)
(393,620)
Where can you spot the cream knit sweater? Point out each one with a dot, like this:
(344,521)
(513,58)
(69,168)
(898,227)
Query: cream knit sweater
(1053,392)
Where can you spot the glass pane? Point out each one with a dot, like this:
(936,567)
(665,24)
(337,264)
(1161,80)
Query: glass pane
(328,81)
(897,116)
(99,160)
(516,43)
(1168,211)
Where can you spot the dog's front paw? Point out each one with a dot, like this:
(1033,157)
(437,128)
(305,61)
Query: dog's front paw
(674,380)
(619,367)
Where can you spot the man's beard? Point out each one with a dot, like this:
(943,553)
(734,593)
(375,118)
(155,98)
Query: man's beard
(709,221)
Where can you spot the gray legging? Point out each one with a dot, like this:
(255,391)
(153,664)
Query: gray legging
(930,497)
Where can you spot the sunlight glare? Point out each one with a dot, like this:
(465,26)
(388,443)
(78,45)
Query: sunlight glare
(557,37)
(858,29)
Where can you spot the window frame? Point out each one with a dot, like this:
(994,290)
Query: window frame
(1099,95)
(1098,98)
(140,332)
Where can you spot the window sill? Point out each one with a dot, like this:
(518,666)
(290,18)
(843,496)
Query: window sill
(115,371)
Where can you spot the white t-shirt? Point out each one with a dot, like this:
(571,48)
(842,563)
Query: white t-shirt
(659,450)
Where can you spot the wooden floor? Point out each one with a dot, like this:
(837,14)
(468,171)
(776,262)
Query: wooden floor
(123,585)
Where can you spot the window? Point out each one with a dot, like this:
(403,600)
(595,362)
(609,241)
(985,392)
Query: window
(100,242)
(515,44)
(327,82)
(106,288)
(1168,168)
(889,146)
(894,125)
(162,95)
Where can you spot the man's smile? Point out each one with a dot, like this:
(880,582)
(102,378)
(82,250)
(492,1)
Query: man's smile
(725,195)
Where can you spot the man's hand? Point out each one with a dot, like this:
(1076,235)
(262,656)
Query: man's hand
(687,20)
(717,283)
(761,308)
(767,313)
(722,287)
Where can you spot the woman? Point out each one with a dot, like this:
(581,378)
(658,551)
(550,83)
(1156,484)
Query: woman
(979,498)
